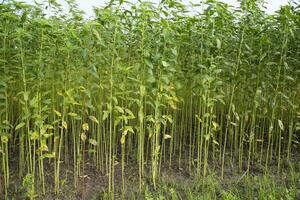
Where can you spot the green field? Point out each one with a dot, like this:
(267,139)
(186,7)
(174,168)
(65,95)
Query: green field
(149,101)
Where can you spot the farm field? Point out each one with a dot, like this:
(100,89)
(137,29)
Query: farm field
(149,101)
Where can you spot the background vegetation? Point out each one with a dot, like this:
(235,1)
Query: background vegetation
(141,91)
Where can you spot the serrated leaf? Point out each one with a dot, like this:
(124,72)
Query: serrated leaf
(20,126)
(57,113)
(119,109)
(94,119)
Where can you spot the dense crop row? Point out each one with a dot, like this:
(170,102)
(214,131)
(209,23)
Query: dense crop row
(149,85)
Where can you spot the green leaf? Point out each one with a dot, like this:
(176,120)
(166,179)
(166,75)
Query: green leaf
(94,119)
(215,142)
(168,117)
(127,129)
(34,102)
(122,141)
(166,136)
(280,124)
(6,122)
(218,43)
(165,64)
(93,142)
(4,126)
(290,78)
(25,96)
(34,135)
(71,114)
(83,136)
(148,63)
(48,155)
(151,79)
(4,139)
(234,124)
(207,136)
(286,65)
(105,115)
(119,109)
(85,126)
(174,52)
(57,113)
(20,126)
(96,33)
